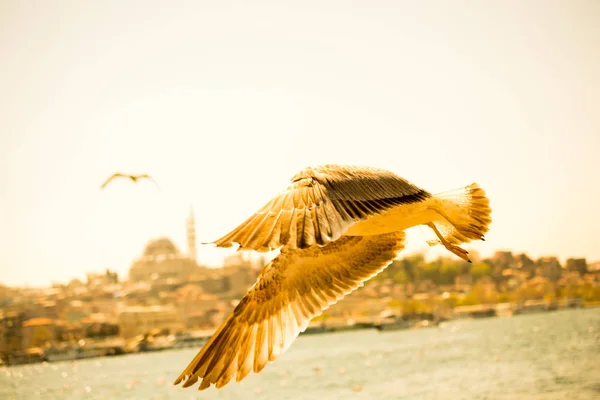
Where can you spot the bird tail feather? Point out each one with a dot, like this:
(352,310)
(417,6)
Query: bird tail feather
(466,214)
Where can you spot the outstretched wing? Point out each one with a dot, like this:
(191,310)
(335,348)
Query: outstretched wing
(320,205)
(113,176)
(291,290)
(146,176)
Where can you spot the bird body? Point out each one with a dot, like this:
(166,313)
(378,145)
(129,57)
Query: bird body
(133,178)
(452,206)
(336,227)
(396,219)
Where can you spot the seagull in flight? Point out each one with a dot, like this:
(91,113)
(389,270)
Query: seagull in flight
(133,178)
(336,227)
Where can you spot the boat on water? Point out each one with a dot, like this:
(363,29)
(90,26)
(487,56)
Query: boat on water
(84,349)
(192,339)
(157,343)
(28,356)
(390,321)
(536,306)
(61,354)
(393,325)
(425,323)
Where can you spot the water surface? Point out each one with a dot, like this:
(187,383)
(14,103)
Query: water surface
(538,356)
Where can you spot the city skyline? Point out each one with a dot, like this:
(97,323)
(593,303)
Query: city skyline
(185,250)
(223,104)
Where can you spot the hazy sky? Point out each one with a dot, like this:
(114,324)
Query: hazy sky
(222,102)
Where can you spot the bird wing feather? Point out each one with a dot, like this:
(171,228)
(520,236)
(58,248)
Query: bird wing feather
(319,205)
(471,214)
(296,286)
(113,176)
(146,176)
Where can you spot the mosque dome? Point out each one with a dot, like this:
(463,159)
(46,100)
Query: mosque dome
(161,247)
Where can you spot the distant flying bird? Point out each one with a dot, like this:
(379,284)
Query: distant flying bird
(134,178)
(337,226)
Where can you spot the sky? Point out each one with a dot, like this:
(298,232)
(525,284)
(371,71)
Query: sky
(223,102)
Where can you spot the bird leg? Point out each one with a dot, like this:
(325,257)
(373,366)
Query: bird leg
(462,253)
(428,239)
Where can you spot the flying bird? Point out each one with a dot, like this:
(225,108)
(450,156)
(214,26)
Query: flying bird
(134,178)
(336,227)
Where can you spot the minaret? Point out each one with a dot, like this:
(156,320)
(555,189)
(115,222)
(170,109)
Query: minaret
(191,236)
